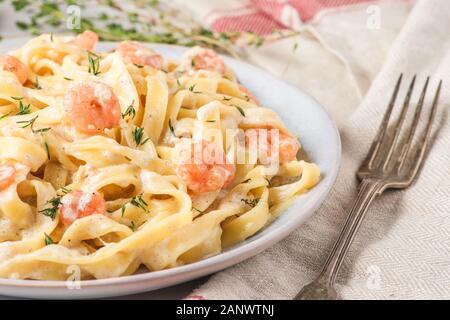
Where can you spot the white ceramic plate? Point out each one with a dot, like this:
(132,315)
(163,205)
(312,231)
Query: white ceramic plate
(302,115)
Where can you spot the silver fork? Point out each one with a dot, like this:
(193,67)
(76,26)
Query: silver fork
(392,162)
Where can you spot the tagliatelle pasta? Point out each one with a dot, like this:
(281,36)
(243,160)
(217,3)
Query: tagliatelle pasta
(113,161)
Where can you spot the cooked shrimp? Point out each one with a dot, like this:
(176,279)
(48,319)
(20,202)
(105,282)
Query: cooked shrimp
(7,175)
(287,147)
(199,58)
(249,94)
(14,65)
(134,52)
(78,204)
(205,168)
(92,107)
(86,40)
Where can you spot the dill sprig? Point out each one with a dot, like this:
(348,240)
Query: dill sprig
(54,203)
(138,135)
(48,240)
(172,130)
(47,149)
(94,63)
(192,89)
(37,86)
(129,112)
(133,226)
(52,211)
(23,109)
(139,202)
(241,111)
(117,21)
(30,123)
(5,115)
(251,202)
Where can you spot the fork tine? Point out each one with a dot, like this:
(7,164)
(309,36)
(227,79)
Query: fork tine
(373,152)
(399,124)
(413,128)
(422,147)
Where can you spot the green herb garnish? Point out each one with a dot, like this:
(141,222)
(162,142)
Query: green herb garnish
(139,202)
(52,211)
(5,115)
(48,240)
(64,190)
(138,134)
(241,111)
(251,202)
(47,150)
(130,112)
(191,88)
(37,86)
(94,63)
(23,109)
(171,128)
(30,123)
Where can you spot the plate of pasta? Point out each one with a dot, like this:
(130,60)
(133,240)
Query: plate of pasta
(127,167)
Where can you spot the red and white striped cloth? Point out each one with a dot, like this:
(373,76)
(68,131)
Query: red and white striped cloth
(264,16)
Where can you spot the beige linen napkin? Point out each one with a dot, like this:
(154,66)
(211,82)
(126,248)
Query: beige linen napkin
(403,247)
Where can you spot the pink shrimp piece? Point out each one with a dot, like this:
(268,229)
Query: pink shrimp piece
(249,94)
(7,175)
(204,59)
(78,204)
(86,40)
(14,65)
(134,52)
(205,168)
(92,107)
(287,147)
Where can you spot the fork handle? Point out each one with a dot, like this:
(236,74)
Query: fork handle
(323,286)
